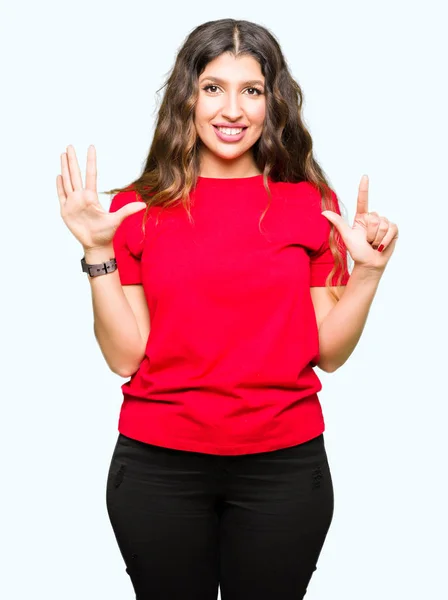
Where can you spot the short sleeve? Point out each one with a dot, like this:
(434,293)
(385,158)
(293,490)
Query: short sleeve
(128,240)
(321,261)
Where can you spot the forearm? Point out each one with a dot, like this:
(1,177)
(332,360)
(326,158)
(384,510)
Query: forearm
(341,329)
(115,325)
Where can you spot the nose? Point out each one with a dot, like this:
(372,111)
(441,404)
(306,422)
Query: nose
(231,109)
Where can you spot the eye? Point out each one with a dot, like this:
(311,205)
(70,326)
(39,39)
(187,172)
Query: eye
(209,86)
(259,92)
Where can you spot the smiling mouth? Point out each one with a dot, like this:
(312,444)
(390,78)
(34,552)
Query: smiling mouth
(233,130)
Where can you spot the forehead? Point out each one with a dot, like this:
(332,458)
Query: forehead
(227,67)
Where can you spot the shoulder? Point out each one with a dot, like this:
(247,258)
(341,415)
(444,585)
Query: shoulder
(303,201)
(304,192)
(130,231)
(122,198)
(308,196)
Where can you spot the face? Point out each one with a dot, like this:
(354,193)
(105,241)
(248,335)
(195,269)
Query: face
(231,93)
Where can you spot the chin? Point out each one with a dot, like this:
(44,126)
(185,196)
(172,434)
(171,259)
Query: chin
(229,155)
(230,151)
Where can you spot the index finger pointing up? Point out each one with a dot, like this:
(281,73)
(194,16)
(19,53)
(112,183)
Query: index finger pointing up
(363,196)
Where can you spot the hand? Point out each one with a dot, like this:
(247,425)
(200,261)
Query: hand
(371,239)
(81,211)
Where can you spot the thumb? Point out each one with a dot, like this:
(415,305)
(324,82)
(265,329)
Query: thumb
(129,209)
(338,222)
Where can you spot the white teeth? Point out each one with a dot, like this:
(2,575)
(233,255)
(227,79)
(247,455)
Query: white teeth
(230,130)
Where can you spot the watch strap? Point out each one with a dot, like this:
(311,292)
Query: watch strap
(99,269)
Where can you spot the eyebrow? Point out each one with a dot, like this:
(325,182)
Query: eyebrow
(222,81)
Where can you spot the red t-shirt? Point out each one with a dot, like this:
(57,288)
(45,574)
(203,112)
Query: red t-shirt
(228,367)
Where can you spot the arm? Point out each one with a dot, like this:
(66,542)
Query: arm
(342,326)
(121,332)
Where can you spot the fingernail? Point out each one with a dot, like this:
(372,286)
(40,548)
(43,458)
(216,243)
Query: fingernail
(381,248)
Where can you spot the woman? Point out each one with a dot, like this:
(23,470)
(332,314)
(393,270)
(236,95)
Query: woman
(231,286)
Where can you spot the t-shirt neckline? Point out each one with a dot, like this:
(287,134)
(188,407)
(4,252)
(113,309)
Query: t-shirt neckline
(252,177)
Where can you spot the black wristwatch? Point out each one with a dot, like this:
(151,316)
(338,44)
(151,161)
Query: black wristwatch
(99,269)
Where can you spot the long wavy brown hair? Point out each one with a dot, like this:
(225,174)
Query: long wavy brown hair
(284,151)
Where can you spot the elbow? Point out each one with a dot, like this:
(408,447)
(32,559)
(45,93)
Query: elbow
(122,364)
(327,367)
(129,369)
(125,371)
(331,368)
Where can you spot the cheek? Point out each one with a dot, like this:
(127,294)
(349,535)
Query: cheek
(203,110)
(259,113)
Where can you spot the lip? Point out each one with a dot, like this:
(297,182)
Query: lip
(237,125)
(227,137)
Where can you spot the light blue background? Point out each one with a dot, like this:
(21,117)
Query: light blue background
(374,78)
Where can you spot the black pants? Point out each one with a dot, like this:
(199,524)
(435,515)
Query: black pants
(188,522)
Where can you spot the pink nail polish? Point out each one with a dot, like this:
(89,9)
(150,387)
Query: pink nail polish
(380,248)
